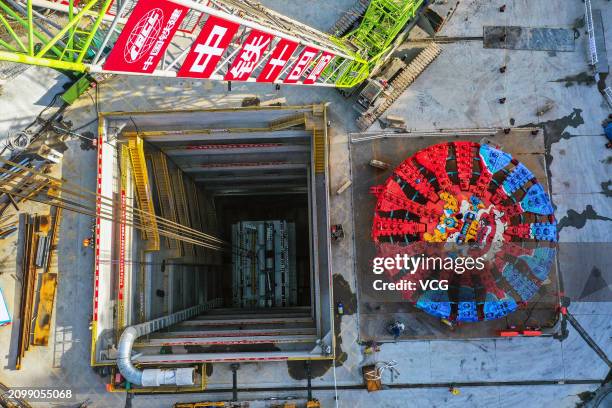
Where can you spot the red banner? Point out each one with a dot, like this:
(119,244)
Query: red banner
(208,48)
(279,58)
(324,60)
(145,36)
(300,66)
(251,53)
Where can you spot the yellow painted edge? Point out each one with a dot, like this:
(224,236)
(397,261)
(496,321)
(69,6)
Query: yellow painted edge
(246,108)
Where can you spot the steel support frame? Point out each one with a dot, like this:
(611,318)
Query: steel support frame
(354,55)
(382,22)
(57,48)
(269,22)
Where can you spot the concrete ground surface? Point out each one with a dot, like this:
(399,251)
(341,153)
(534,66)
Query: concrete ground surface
(460,89)
(24,97)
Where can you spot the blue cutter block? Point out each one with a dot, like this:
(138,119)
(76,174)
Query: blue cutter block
(524,286)
(517,178)
(467,312)
(537,201)
(494,159)
(495,308)
(540,262)
(435,303)
(544,231)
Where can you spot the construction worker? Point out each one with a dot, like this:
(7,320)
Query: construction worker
(396,329)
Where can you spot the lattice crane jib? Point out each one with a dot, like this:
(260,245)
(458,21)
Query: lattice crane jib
(228,40)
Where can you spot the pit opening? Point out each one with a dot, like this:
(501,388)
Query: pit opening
(250,186)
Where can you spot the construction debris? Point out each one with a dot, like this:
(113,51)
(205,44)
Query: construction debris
(28,282)
(344,187)
(395,122)
(48,286)
(18,183)
(379,164)
(8,229)
(7,399)
(37,242)
(274,102)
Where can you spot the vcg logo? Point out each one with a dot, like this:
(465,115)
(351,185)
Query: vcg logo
(143,35)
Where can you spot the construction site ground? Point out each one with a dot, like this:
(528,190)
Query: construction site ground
(459,90)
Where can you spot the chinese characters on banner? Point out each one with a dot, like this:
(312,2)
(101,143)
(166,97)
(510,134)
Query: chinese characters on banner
(208,48)
(145,36)
(153,23)
(252,51)
(300,66)
(316,72)
(279,58)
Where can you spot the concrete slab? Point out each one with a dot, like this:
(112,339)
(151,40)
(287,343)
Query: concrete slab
(575,353)
(602,65)
(466,95)
(588,158)
(470,16)
(415,360)
(515,359)
(464,361)
(541,396)
(532,396)
(22,98)
(529,38)
(590,308)
(606,15)
(575,211)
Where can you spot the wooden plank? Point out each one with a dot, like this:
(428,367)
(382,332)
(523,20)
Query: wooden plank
(45,309)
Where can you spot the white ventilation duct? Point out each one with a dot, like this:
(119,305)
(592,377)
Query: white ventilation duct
(153,377)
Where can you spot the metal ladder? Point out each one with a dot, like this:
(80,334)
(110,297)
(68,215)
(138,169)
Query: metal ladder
(318,142)
(143,192)
(287,122)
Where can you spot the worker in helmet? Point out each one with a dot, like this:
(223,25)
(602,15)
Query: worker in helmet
(396,329)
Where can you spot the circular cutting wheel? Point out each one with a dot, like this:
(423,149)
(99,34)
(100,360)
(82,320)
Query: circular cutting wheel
(481,200)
